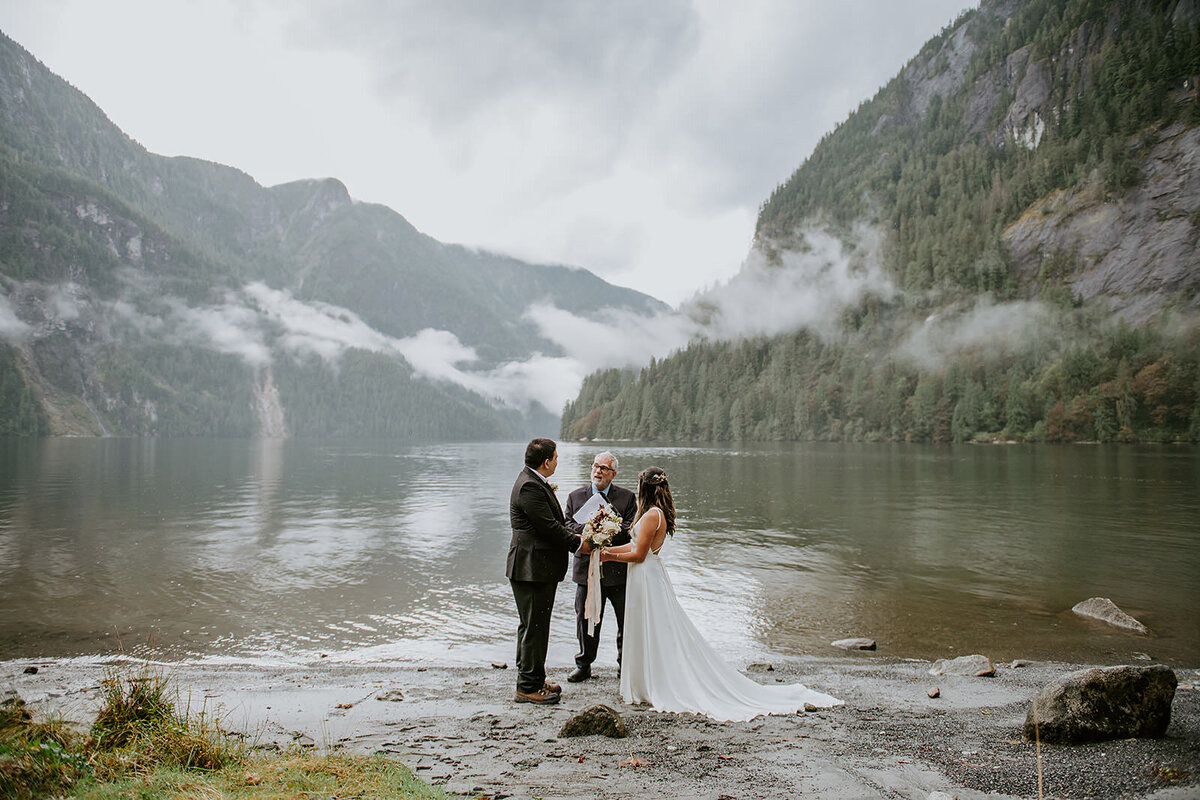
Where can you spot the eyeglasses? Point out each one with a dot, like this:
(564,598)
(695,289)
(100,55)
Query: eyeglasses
(603,468)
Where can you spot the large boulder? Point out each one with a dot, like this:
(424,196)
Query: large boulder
(597,720)
(1106,610)
(1103,703)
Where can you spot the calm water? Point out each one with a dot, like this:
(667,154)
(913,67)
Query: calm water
(286,550)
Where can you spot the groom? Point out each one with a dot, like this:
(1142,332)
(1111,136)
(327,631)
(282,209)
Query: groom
(537,562)
(612,577)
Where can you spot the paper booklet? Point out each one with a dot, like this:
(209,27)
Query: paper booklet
(585,513)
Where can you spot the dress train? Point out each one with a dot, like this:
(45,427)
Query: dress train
(668,664)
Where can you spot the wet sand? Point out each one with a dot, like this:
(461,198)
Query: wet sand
(458,727)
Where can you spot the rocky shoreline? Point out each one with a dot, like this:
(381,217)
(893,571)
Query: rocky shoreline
(458,727)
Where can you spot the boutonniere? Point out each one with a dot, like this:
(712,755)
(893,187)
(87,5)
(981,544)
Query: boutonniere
(553,487)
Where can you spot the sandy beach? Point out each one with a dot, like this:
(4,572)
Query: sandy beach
(458,727)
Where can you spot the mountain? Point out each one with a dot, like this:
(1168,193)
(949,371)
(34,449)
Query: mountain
(145,295)
(1018,220)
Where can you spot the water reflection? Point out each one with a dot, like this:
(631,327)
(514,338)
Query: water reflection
(286,549)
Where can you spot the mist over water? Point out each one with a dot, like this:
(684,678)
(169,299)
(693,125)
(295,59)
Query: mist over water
(283,550)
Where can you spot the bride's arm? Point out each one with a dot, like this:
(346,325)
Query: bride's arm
(635,552)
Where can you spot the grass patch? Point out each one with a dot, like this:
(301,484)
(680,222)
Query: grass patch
(289,777)
(139,729)
(36,758)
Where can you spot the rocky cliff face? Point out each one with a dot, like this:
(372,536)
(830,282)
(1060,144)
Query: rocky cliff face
(1138,250)
(1035,99)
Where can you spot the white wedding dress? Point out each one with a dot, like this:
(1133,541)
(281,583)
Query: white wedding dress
(668,664)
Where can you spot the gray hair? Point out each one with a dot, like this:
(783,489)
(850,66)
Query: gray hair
(607,455)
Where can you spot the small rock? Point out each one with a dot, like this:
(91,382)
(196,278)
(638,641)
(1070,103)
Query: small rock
(391,696)
(854,644)
(1143,656)
(976,666)
(760,668)
(597,720)
(31,670)
(498,665)
(809,708)
(1103,703)
(1018,663)
(934,692)
(1106,610)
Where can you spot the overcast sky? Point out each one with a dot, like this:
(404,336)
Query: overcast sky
(636,139)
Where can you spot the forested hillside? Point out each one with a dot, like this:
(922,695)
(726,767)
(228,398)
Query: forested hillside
(144,295)
(1033,177)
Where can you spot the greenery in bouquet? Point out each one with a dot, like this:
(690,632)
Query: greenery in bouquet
(604,524)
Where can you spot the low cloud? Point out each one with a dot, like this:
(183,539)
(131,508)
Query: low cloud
(12,329)
(806,288)
(228,328)
(803,289)
(63,302)
(998,328)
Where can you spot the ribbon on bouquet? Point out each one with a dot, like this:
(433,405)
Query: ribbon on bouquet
(593,604)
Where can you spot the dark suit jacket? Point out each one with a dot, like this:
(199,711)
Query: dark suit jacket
(540,541)
(625,502)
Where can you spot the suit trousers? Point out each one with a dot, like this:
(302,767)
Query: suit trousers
(589,644)
(535,604)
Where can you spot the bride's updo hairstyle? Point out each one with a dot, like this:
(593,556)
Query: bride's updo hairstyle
(653,490)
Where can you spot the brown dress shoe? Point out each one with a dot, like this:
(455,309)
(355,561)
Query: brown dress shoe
(541,697)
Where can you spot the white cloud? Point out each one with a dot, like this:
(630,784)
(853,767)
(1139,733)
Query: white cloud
(12,329)
(808,289)
(228,328)
(314,327)
(63,302)
(994,327)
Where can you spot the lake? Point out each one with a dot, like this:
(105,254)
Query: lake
(286,551)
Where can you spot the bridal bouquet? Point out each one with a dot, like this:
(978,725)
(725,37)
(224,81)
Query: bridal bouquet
(598,531)
(602,527)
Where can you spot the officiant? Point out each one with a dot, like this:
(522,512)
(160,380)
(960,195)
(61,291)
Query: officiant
(604,470)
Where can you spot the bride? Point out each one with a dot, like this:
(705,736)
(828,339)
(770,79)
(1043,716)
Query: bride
(666,662)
